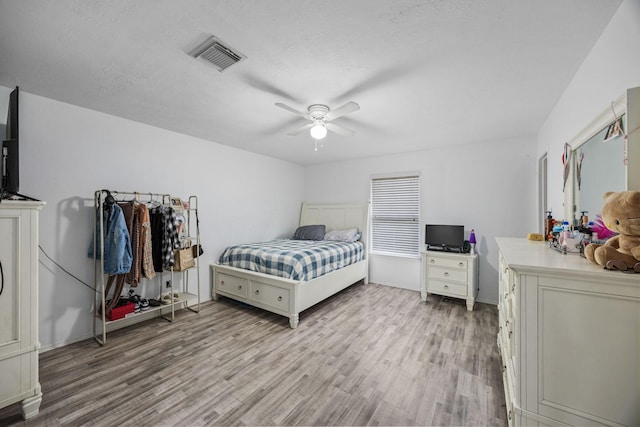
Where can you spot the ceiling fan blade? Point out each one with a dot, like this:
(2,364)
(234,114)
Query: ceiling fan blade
(347,108)
(299,130)
(339,129)
(290,109)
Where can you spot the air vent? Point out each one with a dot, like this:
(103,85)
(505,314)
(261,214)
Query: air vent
(217,53)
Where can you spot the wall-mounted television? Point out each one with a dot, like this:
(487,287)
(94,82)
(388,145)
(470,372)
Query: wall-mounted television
(444,237)
(9,161)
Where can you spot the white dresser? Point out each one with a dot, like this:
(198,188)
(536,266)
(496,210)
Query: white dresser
(569,337)
(450,274)
(19,305)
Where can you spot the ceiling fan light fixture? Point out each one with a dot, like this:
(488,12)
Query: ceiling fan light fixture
(319,130)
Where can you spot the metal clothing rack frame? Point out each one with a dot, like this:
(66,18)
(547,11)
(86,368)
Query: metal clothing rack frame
(99,275)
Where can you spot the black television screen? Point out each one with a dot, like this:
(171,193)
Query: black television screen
(444,237)
(9,162)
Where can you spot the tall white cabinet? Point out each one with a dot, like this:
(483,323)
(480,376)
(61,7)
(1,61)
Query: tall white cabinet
(569,337)
(19,305)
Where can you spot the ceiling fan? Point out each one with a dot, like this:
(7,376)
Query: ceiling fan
(320,117)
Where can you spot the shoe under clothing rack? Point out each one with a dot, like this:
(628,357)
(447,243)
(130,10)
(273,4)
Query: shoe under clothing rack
(181,296)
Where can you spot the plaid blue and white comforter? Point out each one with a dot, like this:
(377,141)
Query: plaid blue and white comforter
(293,259)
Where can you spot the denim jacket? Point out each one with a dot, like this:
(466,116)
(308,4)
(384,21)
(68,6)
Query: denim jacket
(117,244)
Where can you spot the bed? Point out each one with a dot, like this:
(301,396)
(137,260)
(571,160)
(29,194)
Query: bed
(290,296)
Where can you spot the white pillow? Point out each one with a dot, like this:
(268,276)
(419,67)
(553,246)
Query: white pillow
(349,235)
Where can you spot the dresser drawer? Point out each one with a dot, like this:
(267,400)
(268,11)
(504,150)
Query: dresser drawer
(451,274)
(270,295)
(447,288)
(232,285)
(446,262)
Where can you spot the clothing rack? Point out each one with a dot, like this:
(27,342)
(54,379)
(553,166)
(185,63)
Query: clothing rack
(105,199)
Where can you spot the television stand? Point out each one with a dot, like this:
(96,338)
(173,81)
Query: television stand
(450,274)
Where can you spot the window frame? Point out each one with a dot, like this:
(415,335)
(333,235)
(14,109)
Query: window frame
(407,219)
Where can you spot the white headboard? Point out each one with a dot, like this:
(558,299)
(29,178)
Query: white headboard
(337,216)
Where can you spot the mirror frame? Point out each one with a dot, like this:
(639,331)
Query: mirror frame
(629,105)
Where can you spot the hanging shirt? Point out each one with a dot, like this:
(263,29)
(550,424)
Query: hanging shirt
(147,251)
(135,232)
(164,235)
(117,242)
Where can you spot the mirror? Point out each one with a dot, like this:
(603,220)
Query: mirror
(599,167)
(600,162)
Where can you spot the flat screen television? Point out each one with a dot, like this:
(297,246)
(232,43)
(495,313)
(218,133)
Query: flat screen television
(9,163)
(444,237)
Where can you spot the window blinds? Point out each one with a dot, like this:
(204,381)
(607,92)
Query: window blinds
(395,215)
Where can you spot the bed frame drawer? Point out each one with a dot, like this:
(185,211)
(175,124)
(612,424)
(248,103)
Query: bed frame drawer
(270,295)
(232,285)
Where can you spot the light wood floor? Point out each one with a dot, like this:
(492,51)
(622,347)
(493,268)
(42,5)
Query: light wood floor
(371,355)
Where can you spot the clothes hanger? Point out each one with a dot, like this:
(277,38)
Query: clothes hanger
(152,203)
(109,200)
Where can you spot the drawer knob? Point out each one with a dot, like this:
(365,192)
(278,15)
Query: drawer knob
(221,282)
(239,287)
(279,298)
(446,274)
(446,286)
(460,264)
(510,413)
(257,291)
(504,368)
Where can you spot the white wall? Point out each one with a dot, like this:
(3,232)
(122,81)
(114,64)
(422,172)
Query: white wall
(68,152)
(489,186)
(612,66)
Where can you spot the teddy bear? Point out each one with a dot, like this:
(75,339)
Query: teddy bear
(621,214)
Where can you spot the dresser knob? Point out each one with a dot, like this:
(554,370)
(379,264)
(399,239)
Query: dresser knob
(460,264)
(279,298)
(446,274)
(239,287)
(510,413)
(221,282)
(257,291)
(446,286)
(432,261)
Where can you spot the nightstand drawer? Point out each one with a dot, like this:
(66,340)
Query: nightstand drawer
(447,288)
(452,274)
(447,262)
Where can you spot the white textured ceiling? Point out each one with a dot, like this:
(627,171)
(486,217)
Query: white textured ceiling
(425,73)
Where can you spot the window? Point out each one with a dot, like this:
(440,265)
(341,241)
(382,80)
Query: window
(395,215)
